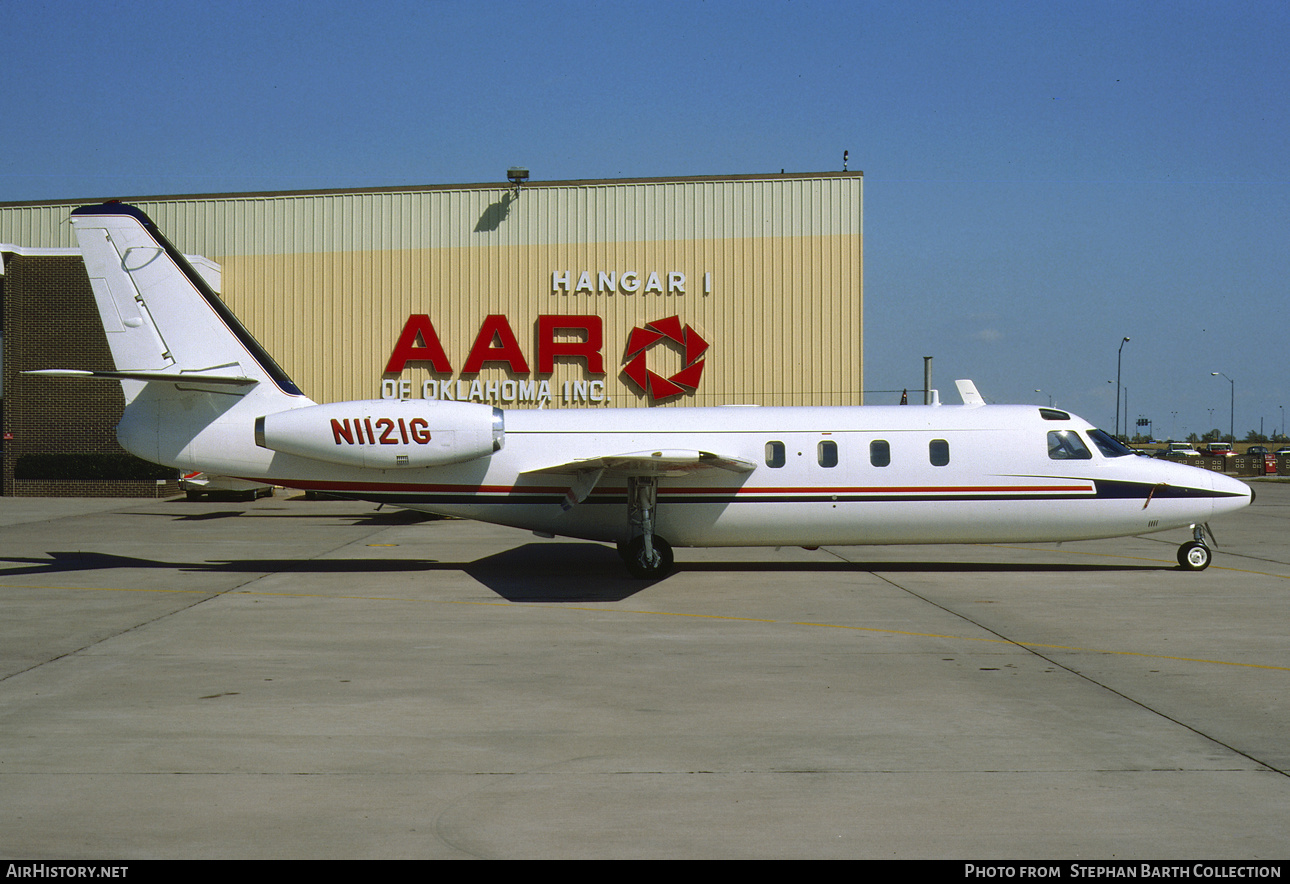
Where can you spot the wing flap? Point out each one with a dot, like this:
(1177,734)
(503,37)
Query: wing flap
(664,463)
(587,472)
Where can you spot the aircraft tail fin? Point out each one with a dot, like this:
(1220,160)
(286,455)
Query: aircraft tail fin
(163,321)
(193,378)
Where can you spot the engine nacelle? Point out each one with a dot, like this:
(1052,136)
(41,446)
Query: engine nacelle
(385,434)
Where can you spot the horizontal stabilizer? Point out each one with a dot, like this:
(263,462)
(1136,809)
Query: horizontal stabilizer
(150,376)
(670,462)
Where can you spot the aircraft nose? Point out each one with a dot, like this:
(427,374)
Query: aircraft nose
(1231,494)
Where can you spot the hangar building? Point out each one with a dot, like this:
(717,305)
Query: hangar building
(616,293)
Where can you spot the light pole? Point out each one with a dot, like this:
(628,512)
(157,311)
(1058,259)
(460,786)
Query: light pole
(1232,419)
(1119,355)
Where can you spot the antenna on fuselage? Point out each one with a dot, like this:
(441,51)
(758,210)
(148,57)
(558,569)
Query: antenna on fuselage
(967,390)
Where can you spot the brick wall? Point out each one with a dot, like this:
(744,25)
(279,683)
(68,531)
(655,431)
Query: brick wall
(95,488)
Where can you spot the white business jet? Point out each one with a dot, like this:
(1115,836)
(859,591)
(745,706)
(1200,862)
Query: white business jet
(202,394)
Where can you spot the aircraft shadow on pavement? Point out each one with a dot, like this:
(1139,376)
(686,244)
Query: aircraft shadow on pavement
(62,562)
(557,572)
(591,572)
(535,572)
(560,572)
(374,519)
(538,572)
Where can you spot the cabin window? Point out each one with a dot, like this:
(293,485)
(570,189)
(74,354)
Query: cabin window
(775,454)
(827,452)
(938,451)
(1067,445)
(880,453)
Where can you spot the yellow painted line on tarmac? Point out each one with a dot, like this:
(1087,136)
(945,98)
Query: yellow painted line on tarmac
(116,589)
(1255,573)
(642,612)
(1076,552)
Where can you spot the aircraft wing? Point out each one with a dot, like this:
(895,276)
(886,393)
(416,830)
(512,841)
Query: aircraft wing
(587,472)
(668,462)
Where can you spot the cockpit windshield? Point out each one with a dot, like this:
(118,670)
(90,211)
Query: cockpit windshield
(1108,444)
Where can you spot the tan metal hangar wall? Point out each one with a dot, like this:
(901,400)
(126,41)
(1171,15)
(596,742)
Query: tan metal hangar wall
(697,291)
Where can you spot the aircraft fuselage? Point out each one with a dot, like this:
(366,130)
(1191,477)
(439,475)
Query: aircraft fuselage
(852,475)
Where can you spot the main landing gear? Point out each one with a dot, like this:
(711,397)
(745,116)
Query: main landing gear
(1195,555)
(647,555)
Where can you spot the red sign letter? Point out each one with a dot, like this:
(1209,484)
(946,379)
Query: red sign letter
(406,350)
(549,348)
(496,326)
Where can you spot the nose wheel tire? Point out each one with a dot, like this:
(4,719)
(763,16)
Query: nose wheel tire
(1194,556)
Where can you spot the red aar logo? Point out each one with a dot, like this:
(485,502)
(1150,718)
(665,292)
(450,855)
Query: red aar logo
(642,340)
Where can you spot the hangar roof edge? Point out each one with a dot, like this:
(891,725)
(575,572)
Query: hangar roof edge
(415,188)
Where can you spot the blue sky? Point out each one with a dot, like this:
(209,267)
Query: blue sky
(1042,179)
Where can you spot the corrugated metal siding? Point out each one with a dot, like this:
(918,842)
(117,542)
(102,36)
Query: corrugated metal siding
(326,281)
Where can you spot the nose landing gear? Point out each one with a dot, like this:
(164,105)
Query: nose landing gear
(1195,554)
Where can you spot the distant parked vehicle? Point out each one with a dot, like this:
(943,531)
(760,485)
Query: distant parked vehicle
(1182,449)
(1269,459)
(1218,449)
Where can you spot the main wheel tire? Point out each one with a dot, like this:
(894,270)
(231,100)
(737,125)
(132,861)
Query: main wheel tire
(1194,556)
(637,565)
